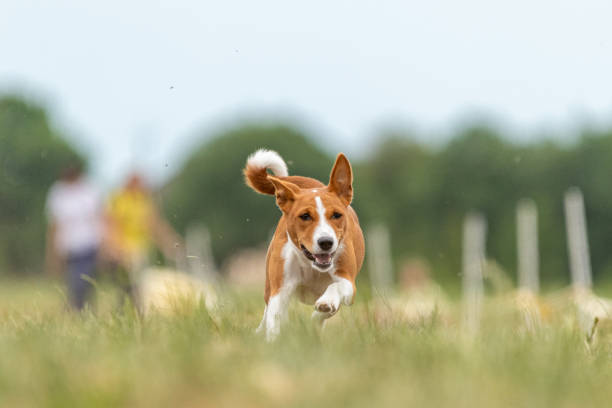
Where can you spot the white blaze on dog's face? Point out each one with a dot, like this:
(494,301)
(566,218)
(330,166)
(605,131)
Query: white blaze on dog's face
(316,218)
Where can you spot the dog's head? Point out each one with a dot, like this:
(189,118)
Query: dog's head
(317,218)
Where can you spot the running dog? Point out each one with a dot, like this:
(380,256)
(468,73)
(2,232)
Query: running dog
(318,247)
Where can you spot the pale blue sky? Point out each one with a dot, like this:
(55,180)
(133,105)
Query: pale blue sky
(115,73)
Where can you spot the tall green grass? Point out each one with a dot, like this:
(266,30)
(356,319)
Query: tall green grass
(113,357)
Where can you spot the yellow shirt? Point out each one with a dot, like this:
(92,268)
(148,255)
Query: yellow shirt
(131,213)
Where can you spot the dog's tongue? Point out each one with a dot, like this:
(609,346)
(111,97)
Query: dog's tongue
(323,258)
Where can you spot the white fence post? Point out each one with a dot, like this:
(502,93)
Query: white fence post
(474,232)
(379,258)
(577,241)
(199,253)
(527,246)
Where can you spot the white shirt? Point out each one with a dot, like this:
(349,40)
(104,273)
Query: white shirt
(76,209)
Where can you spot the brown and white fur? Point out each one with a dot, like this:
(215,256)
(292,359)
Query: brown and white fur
(318,247)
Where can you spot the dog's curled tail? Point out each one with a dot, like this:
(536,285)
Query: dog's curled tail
(255,173)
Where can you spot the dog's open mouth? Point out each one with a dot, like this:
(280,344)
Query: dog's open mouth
(322,261)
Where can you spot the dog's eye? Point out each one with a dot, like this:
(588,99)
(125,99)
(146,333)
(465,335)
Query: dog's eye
(305,217)
(336,215)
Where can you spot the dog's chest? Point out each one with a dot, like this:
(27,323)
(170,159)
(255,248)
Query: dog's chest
(311,283)
(307,283)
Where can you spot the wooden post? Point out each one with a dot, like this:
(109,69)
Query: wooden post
(527,246)
(199,253)
(577,241)
(379,258)
(474,232)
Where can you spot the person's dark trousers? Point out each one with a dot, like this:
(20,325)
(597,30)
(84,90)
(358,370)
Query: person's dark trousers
(81,267)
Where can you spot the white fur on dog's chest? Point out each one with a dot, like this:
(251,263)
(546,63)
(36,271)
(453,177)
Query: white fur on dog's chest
(325,289)
(299,274)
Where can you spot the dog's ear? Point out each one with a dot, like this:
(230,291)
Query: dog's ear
(341,179)
(285,193)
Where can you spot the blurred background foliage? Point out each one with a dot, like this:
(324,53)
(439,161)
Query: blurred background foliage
(32,155)
(420,191)
(210,188)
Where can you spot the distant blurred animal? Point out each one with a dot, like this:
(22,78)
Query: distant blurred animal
(419,300)
(168,291)
(318,247)
(243,269)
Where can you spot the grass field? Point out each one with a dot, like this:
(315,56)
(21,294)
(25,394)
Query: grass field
(113,358)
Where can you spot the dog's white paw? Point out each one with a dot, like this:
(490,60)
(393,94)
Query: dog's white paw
(327,304)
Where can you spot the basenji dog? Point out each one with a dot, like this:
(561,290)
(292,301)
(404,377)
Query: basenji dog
(318,247)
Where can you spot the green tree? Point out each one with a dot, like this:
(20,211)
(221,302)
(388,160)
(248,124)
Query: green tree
(31,157)
(210,188)
(476,171)
(394,186)
(422,193)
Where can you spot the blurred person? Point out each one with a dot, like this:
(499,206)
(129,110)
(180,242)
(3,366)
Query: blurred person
(74,232)
(134,224)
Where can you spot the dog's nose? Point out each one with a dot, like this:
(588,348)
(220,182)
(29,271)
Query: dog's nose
(325,243)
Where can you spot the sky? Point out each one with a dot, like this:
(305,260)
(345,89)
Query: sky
(137,84)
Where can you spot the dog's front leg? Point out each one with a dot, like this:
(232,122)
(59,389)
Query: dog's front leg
(262,324)
(276,311)
(339,292)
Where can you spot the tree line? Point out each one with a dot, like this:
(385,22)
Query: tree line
(420,191)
